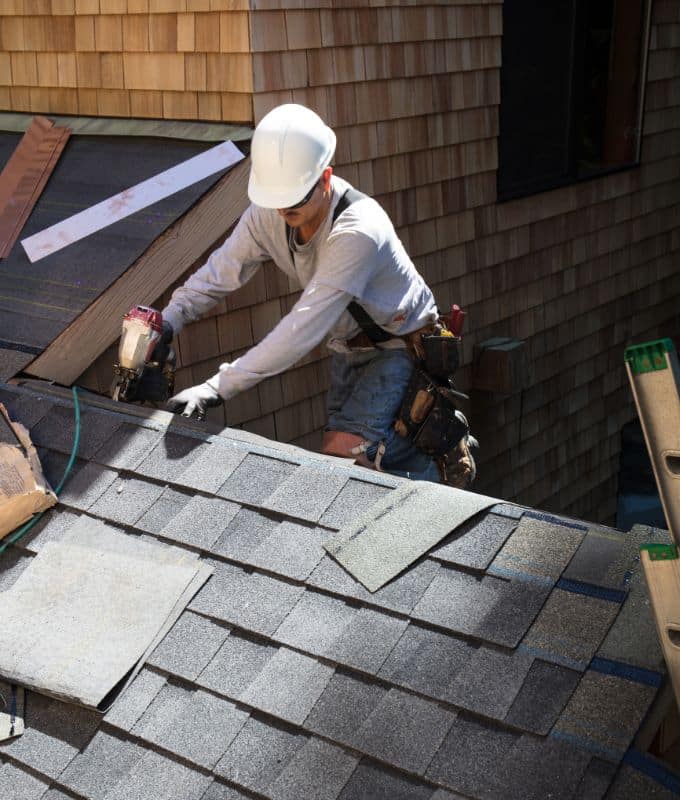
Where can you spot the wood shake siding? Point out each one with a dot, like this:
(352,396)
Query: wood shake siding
(413,91)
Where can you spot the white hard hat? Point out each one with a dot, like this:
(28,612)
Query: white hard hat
(291,148)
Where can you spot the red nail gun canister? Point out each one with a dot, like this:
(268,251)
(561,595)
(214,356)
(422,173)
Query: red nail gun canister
(137,375)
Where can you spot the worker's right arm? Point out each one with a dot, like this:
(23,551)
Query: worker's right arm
(229,266)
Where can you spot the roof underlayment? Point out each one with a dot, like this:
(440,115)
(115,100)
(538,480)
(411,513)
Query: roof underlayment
(39,300)
(517,659)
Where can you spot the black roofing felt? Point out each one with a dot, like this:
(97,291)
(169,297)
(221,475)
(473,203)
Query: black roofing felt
(503,665)
(39,300)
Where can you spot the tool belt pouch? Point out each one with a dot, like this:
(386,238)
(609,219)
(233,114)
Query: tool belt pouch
(439,356)
(428,415)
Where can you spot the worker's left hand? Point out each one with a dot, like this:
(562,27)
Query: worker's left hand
(195,399)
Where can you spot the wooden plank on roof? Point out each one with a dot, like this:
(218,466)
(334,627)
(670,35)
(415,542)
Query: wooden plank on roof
(164,262)
(25,175)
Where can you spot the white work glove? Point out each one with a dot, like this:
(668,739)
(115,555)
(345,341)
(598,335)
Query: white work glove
(195,399)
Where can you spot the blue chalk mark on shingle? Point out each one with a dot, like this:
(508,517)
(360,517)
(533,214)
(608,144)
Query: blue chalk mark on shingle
(553,658)
(638,674)
(653,769)
(602,593)
(562,523)
(588,744)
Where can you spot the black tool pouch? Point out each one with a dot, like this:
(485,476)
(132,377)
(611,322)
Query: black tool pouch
(429,416)
(440,357)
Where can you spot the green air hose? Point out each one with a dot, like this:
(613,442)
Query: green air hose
(14,537)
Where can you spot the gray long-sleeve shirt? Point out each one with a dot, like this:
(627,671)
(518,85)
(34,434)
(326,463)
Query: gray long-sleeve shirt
(360,257)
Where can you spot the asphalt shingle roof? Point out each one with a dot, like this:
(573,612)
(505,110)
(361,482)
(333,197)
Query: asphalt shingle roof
(514,660)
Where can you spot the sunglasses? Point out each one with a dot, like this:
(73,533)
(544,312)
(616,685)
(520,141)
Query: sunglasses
(305,199)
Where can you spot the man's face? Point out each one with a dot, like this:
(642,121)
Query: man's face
(306,211)
(315,206)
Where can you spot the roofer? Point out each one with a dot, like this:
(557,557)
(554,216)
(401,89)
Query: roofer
(360,287)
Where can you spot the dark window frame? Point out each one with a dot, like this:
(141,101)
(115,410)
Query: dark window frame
(517,178)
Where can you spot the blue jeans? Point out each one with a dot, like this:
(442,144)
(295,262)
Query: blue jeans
(367,387)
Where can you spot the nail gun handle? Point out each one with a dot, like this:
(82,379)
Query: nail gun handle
(456,320)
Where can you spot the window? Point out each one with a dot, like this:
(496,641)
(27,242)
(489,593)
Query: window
(571,89)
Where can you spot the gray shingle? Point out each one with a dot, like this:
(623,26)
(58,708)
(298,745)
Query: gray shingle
(168,505)
(24,407)
(354,499)
(400,595)
(236,665)
(249,600)
(13,564)
(427,661)
(538,548)
(127,447)
(17,784)
(630,784)
(570,628)
(594,560)
(161,778)
(215,462)
(508,510)
(404,730)
(106,761)
(57,430)
(401,528)
(475,543)
(596,779)
(52,526)
(244,534)
(259,754)
(189,646)
(343,707)
(54,466)
(54,734)
(607,558)
(201,522)
(288,686)
(133,702)
(255,479)
(633,638)
(543,695)
(318,771)
(315,623)
(367,641)
(86,485)
(220,791)
(372,782)
(538,768)
(499,611)
(194,724)
(604,713)
(291,549)
(126,500)
(171,456)
(490,681)
(469,761)
(307,493)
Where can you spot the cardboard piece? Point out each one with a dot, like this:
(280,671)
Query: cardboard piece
(12,701)
(23,488)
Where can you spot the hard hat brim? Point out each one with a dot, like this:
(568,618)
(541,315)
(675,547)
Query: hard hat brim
(266,198)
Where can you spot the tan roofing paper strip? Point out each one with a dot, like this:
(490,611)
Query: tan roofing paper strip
(400,528)
(83,616)
(131,200)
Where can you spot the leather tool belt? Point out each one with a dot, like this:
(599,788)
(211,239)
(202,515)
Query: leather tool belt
(428,412)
